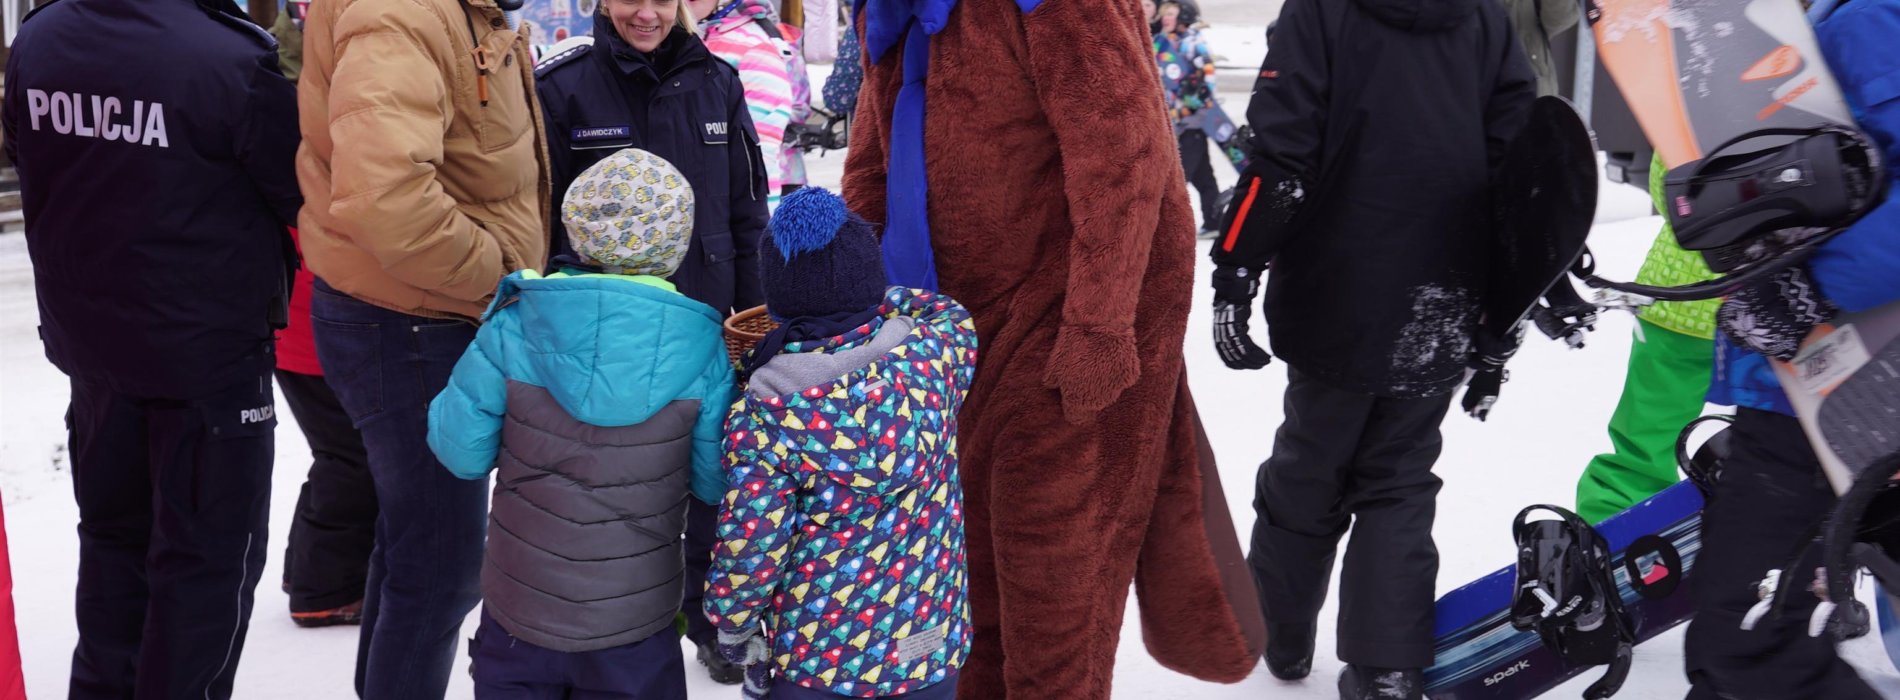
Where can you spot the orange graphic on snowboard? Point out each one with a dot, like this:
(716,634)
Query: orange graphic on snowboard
(1779,63)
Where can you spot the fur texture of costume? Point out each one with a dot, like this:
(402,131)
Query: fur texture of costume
(1059,217)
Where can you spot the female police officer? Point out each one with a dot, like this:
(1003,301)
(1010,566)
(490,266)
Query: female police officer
(648,81)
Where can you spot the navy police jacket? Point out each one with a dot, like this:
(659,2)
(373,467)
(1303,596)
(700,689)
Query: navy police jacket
(682,104)
(154,141)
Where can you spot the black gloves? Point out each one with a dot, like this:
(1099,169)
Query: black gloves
(1774,315)
(1488,373)
(1234,290)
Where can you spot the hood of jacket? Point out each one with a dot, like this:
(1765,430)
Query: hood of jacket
(612,350)
(878,428)
(747,12)
(1419,16)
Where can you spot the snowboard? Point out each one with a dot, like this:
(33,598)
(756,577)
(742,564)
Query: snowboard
(1699,73)
(1845,387)
(1480,656)
(1545,200)
(1178,68)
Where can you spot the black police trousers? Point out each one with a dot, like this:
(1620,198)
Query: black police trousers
(326,561)
(174,498)
(1348,459)
(1767,502)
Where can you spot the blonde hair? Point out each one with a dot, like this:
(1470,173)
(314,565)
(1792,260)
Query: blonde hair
(682,16)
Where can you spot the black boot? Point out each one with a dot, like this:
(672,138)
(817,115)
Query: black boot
(1364,683)
(1290,650)
(722,671)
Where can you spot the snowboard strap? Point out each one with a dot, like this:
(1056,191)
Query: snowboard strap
(1704,467)
(1566,593)
(1722,205)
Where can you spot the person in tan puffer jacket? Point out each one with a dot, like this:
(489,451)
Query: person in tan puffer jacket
(425,178)
(423,187)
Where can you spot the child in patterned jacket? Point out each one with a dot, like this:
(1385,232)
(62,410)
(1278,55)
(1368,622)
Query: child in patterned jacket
(841,566)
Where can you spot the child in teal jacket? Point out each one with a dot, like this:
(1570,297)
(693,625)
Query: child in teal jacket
(599,393)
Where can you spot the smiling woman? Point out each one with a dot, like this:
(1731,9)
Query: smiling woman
(642,23)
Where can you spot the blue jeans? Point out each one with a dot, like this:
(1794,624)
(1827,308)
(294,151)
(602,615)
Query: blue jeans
(506,668)
(424,570)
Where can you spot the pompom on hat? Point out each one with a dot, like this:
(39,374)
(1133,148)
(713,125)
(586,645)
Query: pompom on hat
(819,259)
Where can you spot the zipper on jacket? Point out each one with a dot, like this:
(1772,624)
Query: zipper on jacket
(481,59)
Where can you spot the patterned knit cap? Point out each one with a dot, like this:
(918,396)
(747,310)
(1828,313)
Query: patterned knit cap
(632,213)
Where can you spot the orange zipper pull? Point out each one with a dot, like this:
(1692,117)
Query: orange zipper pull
(481,76)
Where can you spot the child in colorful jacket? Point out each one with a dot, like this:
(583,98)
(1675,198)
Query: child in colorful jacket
(600,394)
(746,34)
(841,566)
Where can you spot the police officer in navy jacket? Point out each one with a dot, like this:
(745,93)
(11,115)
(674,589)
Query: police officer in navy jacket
(154,141)
(683,104)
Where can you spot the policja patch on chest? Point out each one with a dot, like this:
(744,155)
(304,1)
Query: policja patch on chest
(714,132)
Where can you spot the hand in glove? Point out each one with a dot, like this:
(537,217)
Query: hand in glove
(1773,316)
(1234,290)
(748,649)
(1488,373)
(1090,368)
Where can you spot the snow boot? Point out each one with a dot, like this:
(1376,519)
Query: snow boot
(1367,683)
(1290,650)
(351,614)
(722,671)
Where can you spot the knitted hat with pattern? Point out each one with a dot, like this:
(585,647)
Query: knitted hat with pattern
(632,213)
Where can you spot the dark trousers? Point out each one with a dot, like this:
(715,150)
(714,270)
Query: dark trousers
(1200,175)
(423,571)
(945,690)
(1764,510)
(1343,458)
(334,528)
(506,668)
(174,500)
(702,534)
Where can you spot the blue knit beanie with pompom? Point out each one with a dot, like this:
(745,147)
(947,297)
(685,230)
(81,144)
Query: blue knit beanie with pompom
(819,259)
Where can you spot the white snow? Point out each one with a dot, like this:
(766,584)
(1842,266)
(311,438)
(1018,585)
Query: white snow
(1548,423)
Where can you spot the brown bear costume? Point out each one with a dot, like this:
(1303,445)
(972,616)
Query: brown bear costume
(1059,216)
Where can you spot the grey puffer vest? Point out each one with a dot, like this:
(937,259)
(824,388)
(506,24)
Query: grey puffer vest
(584,545)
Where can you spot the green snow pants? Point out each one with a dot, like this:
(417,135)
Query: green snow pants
(1666,387)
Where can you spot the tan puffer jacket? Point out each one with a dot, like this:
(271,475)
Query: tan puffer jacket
(418,196)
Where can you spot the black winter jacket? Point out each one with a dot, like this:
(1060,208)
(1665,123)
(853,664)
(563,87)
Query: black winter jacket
(682,104)
(1391,114)
(155,142)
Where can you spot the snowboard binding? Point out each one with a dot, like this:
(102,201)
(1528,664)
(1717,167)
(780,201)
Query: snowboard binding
(1703,467)
(1566,593)
(1753,213)
(1726,204)
(834,134)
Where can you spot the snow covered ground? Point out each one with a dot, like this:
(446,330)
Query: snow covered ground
(1548,425)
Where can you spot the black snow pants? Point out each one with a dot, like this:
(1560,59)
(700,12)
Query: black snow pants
(174,499)
(1344,458)
(1200,175)
(334,528)
(1767,502)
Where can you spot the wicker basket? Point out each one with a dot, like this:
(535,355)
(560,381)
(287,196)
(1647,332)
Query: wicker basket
(745,329)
